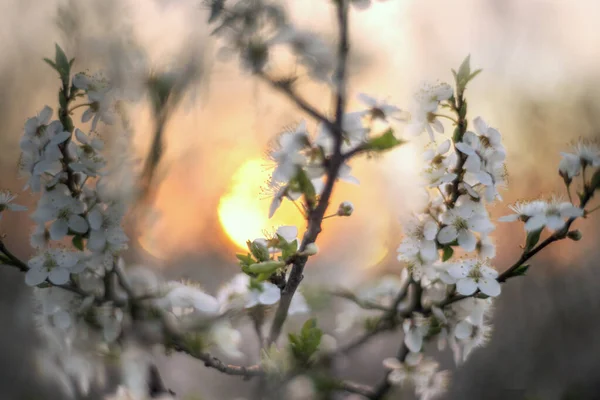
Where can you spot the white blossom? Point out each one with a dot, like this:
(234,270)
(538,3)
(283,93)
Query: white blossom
(422,231)
(105,227)
(436,386)
(52,264)
(460,221)
(435,177)
(287,153)
(237,293)
(379,108)
(538,214)
(181,297)
(101,102)
(423,117)
(289,233)
(416,370)
(415,330)
(88,159)
(6,199)
(226,338)
(279,191)
(58,206)
(473,275)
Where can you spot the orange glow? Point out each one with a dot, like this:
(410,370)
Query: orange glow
(244,210)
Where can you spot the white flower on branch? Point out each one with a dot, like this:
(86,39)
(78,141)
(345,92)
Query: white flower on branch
(538,214)
(53,264)
(422,232)
(416,370)
(100,99)
(379,109)
(88,160)
(469,337)
(435,387)
(473,275)
(57,205)
(423,117)
(289,233)
(585,153)
(105,227)
(415,329)
(459,224)
(287,153)
(6,199)
(435,177)
(226,338)
(237,294)
(181,299)
(569,166)
(279,191)
(39,135)
(439,158)
(417,265)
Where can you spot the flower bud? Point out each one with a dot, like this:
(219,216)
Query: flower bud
(259,249)
(345,209)
(575,235)
(311,249)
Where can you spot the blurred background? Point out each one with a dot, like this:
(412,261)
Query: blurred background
(540,87)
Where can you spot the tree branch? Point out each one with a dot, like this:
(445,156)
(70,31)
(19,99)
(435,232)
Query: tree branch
(316,215)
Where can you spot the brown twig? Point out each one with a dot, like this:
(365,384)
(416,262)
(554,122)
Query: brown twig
(316,215)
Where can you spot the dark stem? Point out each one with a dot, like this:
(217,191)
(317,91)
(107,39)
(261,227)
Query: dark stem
(334,164)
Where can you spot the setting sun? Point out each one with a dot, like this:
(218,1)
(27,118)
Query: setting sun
(243,209)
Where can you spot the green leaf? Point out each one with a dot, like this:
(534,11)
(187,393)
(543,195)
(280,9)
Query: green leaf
(521,270)
(304,345)
(62,100)
(266,267)
(464,71)
(462,113)
(457,136)
(245,259)
(259,251)
(50,63)
(448,252)
(384,142)
(306,186)
(78,242)
(474,74)
(533,238)
(288,249)
(62,64)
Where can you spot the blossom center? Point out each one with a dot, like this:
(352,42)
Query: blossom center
(461,224)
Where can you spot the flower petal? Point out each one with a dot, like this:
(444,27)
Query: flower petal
(35,276)
(59,276)
(59,229)
(78,223)
(466,286)
(467,240)
(447,234)
(489,286)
